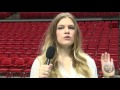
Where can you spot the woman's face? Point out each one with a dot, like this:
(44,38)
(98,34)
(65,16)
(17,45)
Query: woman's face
(65,32)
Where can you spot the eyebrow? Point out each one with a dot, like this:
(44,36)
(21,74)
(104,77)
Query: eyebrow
(71,25)
(64,25)
(60,25)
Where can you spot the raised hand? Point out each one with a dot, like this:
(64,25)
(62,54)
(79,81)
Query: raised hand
(107,65)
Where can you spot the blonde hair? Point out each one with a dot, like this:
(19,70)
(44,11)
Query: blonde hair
(78,56)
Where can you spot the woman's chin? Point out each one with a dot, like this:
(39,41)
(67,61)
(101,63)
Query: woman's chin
(66,44)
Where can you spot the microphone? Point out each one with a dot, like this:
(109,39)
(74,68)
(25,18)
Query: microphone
(50,54)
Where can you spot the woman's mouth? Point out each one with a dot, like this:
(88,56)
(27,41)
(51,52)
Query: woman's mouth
(67,37)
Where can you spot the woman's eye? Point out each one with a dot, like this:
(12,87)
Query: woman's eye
(71,27)
(60,28)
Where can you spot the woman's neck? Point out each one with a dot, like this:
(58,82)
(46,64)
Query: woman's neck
(64,58)
(64,52)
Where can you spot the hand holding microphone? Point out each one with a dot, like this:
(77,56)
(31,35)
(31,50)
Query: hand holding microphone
(46,69)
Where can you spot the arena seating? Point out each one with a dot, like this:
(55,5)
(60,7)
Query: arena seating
(4,15)
(19,40)
(100,37)
(76,14)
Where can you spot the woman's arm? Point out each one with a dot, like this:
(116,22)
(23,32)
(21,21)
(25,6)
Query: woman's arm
(92,65)
(35,69)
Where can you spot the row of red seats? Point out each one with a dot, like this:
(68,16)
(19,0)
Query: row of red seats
(24,23)
(4,15)
(100,37)
(99,33)
(76,14)
(96,43)
(24,35)
(15,66)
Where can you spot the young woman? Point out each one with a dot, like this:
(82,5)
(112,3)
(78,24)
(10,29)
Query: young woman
(69,60)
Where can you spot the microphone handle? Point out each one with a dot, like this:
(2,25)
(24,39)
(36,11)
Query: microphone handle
(48,61)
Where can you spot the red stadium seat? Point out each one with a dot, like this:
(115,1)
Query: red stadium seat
(26,72)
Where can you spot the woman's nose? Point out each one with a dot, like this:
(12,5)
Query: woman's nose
(66,30)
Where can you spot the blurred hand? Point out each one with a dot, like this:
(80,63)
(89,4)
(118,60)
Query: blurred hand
(45,70)
(107,65)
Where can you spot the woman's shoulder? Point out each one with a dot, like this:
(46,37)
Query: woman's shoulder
(92,65)
(88,58)
(39,59)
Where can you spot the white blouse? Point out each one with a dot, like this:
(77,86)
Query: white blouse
(36,66)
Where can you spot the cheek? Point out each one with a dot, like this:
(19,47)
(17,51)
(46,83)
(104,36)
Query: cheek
(73,35)
(58,35)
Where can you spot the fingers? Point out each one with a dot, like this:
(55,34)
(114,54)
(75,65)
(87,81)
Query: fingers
(43,76)
(45,73)
(105,57)
(45,70)
(108,57)
(102,58)
(112,62)
(50,66)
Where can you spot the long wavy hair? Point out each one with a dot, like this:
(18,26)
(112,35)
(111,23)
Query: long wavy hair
(77,54)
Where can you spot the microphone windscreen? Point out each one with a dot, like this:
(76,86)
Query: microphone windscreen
(50,52)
